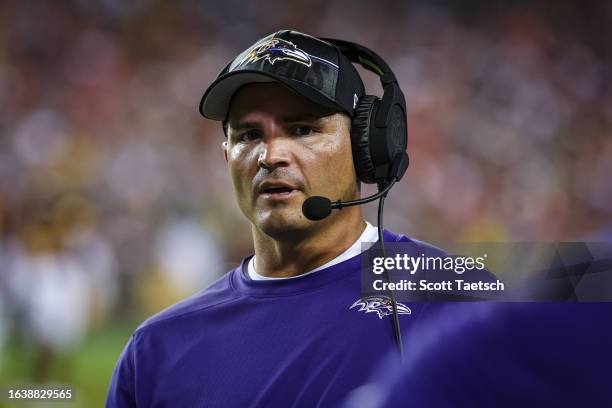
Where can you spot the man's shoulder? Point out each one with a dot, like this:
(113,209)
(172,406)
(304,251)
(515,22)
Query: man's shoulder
(430,249)
(218,293)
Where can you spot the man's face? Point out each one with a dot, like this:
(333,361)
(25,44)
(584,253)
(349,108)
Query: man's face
(282,149)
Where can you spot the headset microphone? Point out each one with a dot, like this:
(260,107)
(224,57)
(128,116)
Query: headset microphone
(316,208)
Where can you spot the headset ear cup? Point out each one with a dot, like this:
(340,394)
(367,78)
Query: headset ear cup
(360,138)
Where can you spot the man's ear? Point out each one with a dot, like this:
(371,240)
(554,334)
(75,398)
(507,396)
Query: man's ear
(224,147)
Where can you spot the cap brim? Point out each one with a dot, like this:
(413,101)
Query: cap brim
(216,100)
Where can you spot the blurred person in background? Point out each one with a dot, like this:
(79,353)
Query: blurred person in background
(500,355)
(60,276)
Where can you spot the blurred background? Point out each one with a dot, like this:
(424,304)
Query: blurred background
(114,196)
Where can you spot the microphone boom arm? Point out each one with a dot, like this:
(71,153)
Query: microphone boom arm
(381,192)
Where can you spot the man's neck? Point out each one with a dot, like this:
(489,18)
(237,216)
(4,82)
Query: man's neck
(291,257)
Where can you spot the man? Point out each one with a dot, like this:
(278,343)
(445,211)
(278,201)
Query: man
(282,328)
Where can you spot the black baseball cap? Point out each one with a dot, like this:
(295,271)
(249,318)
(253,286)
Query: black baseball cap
(313,68)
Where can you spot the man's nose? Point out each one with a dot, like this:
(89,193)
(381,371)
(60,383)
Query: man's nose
(274,153)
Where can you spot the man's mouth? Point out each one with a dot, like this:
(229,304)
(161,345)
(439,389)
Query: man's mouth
(277,191)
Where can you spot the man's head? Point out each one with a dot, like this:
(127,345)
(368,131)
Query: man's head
(287,103)
(282,148)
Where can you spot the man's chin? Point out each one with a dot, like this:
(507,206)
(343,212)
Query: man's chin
(279,223)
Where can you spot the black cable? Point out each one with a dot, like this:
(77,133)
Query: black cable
(396,324)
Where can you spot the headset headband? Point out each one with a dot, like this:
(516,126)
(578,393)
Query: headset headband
(366,58)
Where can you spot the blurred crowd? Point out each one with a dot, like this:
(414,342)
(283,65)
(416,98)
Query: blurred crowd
(114,195)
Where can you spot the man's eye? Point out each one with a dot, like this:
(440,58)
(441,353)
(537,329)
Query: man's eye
(302,130)
(249,136)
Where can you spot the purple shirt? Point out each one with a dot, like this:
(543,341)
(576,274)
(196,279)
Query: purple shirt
(240,342)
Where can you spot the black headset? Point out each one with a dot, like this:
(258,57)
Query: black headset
(379,135)
(379,139)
